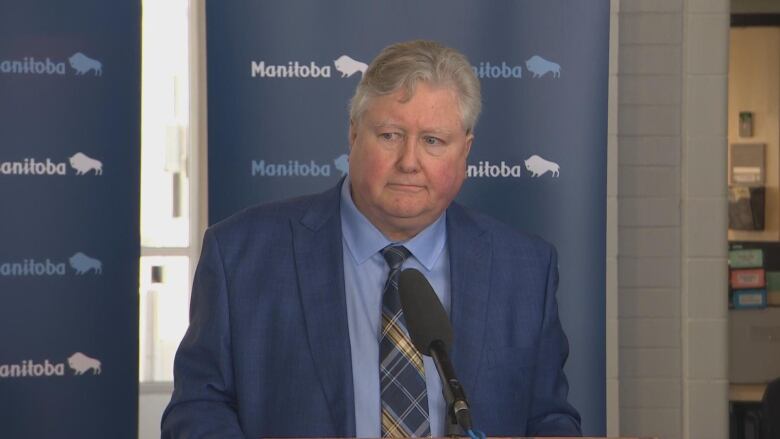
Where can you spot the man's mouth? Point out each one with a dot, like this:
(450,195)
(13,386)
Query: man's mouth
(402,187)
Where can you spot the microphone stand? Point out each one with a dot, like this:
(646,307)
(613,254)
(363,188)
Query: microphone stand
(458,413)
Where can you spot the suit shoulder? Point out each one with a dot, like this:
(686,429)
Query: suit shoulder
(266,219)
(509,240)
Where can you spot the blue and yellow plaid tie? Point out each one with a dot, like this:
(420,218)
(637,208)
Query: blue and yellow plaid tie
(401,371)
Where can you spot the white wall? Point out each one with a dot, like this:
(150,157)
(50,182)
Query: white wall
(154,397)
(151,403)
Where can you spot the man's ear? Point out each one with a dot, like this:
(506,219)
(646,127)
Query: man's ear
(352,133)
(469,140)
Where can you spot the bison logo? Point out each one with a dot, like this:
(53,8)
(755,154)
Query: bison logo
(348,66)
(539,166)
(540,67)
(83,164)
(342,164)
(84,264)
(81,363)
(82,64)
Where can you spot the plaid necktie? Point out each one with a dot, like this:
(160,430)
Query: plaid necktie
(401,371)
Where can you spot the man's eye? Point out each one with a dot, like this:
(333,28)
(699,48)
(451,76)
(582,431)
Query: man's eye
(389,136)
(430,140)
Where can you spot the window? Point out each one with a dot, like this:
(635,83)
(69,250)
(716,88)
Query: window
(169,201)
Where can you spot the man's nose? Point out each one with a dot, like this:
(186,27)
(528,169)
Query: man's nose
(407,160)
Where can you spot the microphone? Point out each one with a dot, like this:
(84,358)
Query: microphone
(431,333)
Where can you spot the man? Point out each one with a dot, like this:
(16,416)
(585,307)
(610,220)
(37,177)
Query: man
(295,328)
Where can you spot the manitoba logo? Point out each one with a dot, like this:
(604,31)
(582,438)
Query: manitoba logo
(78,363)
(348,66)
(82,64)
(83,264)
(31,166)
(493,170)
(81,363)
(32,66)
(32,267)
(492,71)
(29,65)
(342,164)
(536,65)
(80,162)
(295,168)
(344,64)
(293,69)
(30,368)
(84,164)
(535,164)
(539,166)
(79,263)
(539,67)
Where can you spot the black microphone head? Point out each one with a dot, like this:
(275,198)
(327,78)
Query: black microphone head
(425,317)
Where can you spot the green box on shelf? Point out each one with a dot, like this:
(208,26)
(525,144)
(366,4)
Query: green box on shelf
(773,280)
(746,258)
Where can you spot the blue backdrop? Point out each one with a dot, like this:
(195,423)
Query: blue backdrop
(280,75)
(69,183)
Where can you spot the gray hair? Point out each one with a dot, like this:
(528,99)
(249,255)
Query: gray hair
(401,65)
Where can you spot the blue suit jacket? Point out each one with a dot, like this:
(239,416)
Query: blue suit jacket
(267,352)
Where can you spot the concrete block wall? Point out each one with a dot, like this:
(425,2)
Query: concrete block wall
(649,160)
(705,219)
(671,218)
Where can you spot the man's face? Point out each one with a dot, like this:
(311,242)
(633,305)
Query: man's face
(408,159)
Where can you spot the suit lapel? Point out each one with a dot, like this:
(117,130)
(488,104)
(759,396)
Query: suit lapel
(319,266)
(470,251)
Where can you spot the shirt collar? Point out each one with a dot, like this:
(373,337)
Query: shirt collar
(363,239)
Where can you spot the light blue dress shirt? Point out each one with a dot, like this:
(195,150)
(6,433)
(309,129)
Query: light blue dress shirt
(365,273)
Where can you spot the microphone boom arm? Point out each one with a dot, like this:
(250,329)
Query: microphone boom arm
(458,411)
